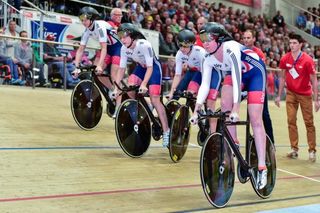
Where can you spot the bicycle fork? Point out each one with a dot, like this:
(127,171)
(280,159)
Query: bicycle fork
(156,126)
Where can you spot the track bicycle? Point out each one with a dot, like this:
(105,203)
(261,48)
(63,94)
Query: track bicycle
(180,127)
(86,101)
(135,123)
(217,169)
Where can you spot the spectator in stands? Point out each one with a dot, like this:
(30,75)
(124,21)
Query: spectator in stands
(23,55)
(273,85)
(200,23)
(190,26)
(182,24)
(237,37)
(248,40)
(299,74)
(10,42)
(309,24)
(278,19)
(134,20)
(175,28)
(169,67)
(169,46)
(115,18)
(139,13)
(317,54)
(4,59)
(55,60)
(149,23)
(301,20)
(316,29)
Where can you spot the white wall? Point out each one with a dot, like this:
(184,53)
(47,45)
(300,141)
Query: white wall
(306,3)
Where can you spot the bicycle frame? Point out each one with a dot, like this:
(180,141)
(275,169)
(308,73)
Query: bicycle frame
(141,98)
(223,129)
(102,88)
(190,103)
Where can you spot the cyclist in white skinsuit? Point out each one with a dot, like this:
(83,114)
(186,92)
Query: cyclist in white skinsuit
(147,73)
(110,44)
(190,56)
(241,67)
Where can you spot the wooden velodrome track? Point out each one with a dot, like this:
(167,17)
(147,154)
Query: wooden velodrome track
(48,164)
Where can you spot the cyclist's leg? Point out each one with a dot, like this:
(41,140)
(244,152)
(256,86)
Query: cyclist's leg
(136,78)
(255,84)
(154,92)
(183,84)
(114,52)
(107,61)
(255,112)
(216,78)
(195,82)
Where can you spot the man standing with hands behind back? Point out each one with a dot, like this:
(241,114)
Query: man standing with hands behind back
(301,80)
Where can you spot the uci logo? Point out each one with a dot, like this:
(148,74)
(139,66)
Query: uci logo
(46,33)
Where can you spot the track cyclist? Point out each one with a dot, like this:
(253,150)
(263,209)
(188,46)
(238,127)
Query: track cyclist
(190,56)
(147,73)
(241,68)
(110,44)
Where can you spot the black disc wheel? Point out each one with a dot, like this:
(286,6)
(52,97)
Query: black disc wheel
(133,128)
(171,107)
(86,105)
(217,170)
(271,166)
(180,134)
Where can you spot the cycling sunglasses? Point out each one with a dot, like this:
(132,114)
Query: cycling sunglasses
(83,17)
(123,34)
(185,44)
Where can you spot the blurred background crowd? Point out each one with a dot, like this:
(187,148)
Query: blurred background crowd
(168,17)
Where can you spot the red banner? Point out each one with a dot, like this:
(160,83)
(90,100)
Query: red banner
(243,2)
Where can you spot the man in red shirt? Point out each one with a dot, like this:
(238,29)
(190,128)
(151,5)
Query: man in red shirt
(248,40)
(201,21)
(299,74)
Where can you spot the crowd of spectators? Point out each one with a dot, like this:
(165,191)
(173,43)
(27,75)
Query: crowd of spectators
(309,21)
(168,17)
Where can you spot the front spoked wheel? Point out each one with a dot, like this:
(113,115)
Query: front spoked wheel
(133,128)
(271,166)
(217,170)
(86,105)
(180,134)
